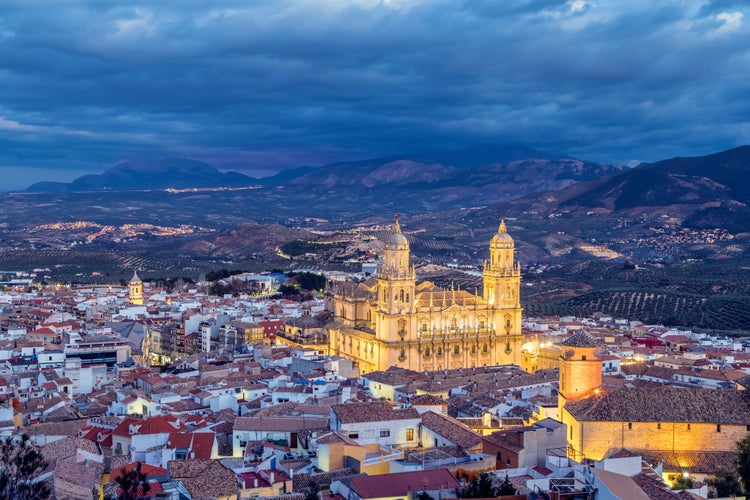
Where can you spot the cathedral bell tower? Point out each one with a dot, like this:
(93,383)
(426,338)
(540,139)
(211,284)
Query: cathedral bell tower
(502,277)
(502,294)
(396,279)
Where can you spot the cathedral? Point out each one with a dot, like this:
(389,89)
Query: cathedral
(393,320)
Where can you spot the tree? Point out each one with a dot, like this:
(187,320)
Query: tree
(22,464)
(480,487)
(506,488)
(743,461)
(133,483)
(682,483)
(312,492)
(725,484)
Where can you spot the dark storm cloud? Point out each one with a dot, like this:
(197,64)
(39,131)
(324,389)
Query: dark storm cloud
(283,83)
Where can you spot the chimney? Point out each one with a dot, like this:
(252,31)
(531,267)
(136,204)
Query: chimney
(487,419)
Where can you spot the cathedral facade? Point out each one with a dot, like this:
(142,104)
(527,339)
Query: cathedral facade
(393,320)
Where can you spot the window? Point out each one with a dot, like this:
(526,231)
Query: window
(718,427)
(658,425)
(485,349)
(384,433)
(583,358)
(571,432)
(402,326)
(630,426)
(354,435)
(688,427)
(180,455)
(426,352)
(455,350)
(410,434)
(439,351)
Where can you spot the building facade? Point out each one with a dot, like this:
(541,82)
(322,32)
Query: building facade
(693,426)
(393,320)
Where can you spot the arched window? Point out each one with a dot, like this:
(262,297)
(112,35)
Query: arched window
(485,349)
(401,296)
(455,350)
(439,351)
(402,326)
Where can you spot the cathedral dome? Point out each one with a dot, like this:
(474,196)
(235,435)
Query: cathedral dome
(397,240)
(501,239)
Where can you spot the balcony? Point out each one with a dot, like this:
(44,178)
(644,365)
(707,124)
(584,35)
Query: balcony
(455,333)
(386,454)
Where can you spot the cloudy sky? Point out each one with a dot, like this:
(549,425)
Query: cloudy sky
(260,85)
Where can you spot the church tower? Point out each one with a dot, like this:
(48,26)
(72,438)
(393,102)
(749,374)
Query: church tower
(502,293)
(135,290)
(396,286)
(502,276)
(580,369)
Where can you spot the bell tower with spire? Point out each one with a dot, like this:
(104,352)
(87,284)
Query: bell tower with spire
(396,285)
(135,290)
(502,293)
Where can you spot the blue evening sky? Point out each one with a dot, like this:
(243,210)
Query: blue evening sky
(256,86)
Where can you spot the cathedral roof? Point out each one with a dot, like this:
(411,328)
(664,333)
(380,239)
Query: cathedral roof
(445,298)
(652,404)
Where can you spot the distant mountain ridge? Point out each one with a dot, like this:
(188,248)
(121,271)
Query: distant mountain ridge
(717,177)
(178,173)
(457,174)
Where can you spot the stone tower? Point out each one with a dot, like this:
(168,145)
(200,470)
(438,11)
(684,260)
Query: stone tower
(502,293)
(135,290)
(580,369)
(396,277)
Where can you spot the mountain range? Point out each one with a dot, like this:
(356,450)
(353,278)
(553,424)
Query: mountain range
(164,173)
(428,182)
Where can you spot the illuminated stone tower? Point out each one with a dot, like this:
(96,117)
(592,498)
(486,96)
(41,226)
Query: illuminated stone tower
(580,369)
(396,280)
(135,290)
(502,293)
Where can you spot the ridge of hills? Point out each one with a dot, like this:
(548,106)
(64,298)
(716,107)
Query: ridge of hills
(529,169)
(177,173)
(666,241)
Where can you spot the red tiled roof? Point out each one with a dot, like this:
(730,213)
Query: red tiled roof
(400,484)
(148,470)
